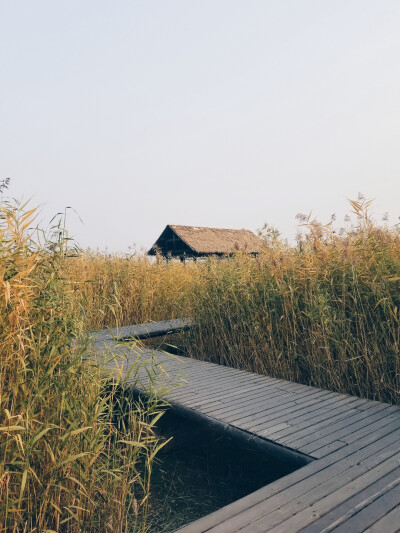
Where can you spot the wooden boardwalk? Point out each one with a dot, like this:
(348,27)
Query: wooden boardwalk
(143,331)
(351,482)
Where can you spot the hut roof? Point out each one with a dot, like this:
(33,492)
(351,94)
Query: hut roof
(215,240)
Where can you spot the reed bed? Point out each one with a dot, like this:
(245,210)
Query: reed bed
(323,312)
(121,290)
(75,450)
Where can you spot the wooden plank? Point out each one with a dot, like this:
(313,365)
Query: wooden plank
(259,403)
(193,379)
(219,385)
(349,429)
(267,499)
(332,409)
(241,373)
(140,331)
(305,437)
(306,410)
(301,481)
(232,394)
(217,382)
(198,375)
(213,367)
(227,396)
(202,368)
(227,409)
(322,500)
(362,509)
(194,384)
(324,437)
(387,524)
(300,428)
(206,392)
(259,422)
(300,497)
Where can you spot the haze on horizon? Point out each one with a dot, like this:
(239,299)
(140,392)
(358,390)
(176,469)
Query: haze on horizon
(211,113)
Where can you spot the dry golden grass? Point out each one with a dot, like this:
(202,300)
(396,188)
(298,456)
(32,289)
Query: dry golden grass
(120,291)
(75,450)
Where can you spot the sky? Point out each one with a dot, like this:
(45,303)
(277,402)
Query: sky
(220,113)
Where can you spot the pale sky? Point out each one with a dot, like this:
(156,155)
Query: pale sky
(220,113)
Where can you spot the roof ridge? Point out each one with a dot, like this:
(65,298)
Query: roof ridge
(209,227)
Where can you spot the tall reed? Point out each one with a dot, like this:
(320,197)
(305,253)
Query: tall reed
(69,460)
(119,290)
(323,313)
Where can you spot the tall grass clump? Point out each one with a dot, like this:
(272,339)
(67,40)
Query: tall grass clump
(121,290)
(324,312)
(75,450)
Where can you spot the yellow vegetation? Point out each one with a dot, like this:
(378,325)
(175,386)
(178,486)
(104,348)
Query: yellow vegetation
(75,450)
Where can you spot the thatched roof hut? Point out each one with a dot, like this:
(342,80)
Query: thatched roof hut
(193,241)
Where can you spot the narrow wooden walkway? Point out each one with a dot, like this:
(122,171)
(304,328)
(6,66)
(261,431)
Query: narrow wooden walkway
(352,480)
(143,331)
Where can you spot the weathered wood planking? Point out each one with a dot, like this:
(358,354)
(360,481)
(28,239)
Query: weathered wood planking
(353,486)
(143,331)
